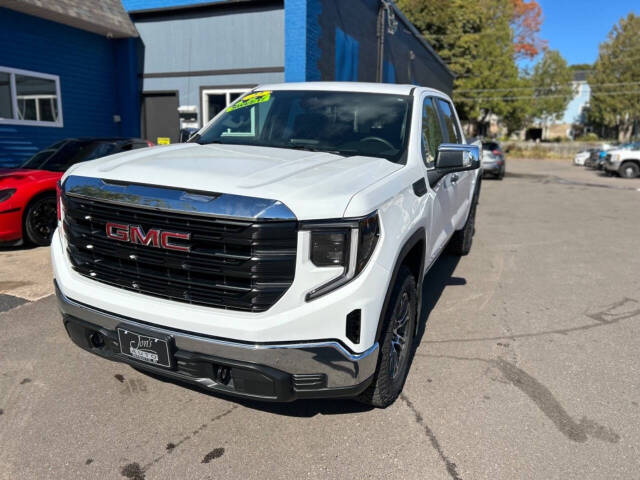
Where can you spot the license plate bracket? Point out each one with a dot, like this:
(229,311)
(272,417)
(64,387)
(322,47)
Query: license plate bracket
(152,349)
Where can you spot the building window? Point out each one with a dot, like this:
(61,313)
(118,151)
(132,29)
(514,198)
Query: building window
(29,98)
(216,100)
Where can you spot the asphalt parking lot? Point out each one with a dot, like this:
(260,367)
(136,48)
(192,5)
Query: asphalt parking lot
(528,367)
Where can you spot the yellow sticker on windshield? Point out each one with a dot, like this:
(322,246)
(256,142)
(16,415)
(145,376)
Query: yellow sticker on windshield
(251,99)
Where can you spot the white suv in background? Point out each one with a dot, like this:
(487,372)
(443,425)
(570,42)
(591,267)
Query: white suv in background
(624,161)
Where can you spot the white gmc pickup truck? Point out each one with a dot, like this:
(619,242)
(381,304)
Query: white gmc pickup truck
(280,253)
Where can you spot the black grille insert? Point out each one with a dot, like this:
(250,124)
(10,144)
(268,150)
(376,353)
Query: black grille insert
(233,264)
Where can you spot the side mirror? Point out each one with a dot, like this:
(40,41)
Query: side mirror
(453,157)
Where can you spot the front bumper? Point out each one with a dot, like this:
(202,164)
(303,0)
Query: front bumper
(612,166)
(275,372)
(492,167)
(10,224)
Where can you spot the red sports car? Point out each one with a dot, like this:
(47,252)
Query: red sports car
(28,193)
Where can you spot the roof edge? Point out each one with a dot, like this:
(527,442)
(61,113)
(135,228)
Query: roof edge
(200,6)
(75,22)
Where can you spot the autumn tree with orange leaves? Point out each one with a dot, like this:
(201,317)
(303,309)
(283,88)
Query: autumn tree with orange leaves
(526,24)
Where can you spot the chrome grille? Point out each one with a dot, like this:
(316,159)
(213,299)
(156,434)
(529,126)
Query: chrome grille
(233,264)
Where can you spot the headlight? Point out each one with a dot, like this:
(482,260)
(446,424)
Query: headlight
(616,157)
(347,243)
(6,194)
(329,248)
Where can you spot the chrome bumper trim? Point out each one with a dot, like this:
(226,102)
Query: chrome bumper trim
(343,368)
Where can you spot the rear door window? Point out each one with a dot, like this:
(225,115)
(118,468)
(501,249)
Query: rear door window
(490,146)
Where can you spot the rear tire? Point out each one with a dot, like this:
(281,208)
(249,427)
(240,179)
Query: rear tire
(461,241)
(629,170)
(40,220)
(396,343)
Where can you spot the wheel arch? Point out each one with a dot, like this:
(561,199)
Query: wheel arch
(412,254)
(635,161)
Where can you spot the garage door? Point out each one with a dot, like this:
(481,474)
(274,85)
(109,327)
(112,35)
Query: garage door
(160,117)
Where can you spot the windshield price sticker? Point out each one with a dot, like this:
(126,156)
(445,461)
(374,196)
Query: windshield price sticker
(251,99)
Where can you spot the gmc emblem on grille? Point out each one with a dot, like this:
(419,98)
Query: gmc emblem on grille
(152,238)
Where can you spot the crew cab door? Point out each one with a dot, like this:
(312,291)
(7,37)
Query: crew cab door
(441,197)
(461,182)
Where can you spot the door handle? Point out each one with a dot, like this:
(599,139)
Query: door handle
(454,178)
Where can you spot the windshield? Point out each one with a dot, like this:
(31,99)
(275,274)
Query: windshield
(59,157)
(490,146)
(346,123)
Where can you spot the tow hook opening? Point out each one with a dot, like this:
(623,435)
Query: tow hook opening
(222,374)
(97,340)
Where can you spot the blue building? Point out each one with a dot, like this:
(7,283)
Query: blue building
(199,57)
(73,68)
(67,69)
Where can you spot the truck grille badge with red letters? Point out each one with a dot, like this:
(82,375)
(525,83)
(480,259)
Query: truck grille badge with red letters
(154,237)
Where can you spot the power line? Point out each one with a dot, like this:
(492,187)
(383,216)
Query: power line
(536,97)
(594,85)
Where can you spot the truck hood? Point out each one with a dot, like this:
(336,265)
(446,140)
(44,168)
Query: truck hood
(313,185)
(624,151)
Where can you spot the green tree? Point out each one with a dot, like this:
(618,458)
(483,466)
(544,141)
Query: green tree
(520,111)
(551,84)
(615,80)
(580,67)
(476,40)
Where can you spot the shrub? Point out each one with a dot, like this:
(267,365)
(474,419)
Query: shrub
(589,137)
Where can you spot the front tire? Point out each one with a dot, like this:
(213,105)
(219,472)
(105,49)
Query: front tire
(40,220)
(629,170)
(396,343)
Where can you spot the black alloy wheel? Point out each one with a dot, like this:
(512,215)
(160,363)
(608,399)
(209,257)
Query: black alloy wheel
(40,220)
(396,343)
(629,170)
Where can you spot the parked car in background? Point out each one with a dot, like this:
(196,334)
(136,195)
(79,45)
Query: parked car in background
(597,157)
(624,161)
(28,192)
(602,157)
(493,161)
(582,156)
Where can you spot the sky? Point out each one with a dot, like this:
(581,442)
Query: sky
(577,27)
